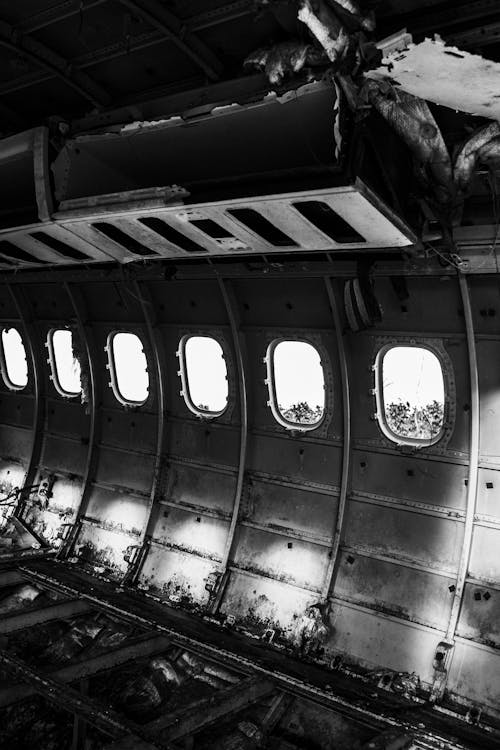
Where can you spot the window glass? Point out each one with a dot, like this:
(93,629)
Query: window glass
(413,393)
(131,381)
(205,386)
(299,383)
(66,365)
(14,358)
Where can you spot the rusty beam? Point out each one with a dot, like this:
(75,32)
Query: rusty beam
(176,31)
(44,57)
(312,682)
(63,696)
(32,341)
(94,385)
(238,346)
(329,582)
(203,713)
(11,578)
(28,619)
(160,377)
(87,668)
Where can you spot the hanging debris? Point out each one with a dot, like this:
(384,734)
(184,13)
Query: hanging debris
(412,119)
(326,27)
(284,59)
(465,82)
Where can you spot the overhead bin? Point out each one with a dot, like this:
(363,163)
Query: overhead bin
(281,174)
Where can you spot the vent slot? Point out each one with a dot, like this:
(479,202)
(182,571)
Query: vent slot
(172,235)
(328,221)
(60,247)
(211,229)
(123,239)
(12,251)
(262,226)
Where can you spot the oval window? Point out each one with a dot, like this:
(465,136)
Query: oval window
(65,366)
(14,365)
(129,368)
(410,394)
(296,384)
(204,375)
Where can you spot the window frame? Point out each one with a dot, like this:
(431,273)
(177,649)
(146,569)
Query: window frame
(111,367)
(3,361)
(184,376)
(271,385)
(53,364)
(378,392)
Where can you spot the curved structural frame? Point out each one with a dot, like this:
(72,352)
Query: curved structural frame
(35,364)
(329,581)
(230,305)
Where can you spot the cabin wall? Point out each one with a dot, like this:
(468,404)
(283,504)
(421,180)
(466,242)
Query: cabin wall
(157,485)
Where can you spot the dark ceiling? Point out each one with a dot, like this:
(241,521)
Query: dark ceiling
(74,58)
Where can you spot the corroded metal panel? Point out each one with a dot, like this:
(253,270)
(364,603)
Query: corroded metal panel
(64,455)
(410,478)
(393,532)
(377,643)
(117,509)
(15,442)
(177,576)
(133,431)
(276,556)
(413,309)
(259,603)
(125,470)
(302,460)
(200,488)
(488,353)
(307,511)
(485,560)
(102,549)
(488,493)
(191,533)
(474,675)
(205,442)
(480,615)
(393,589)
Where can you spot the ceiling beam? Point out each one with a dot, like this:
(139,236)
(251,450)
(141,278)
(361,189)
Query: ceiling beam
(43,57)
(178,32)
(147,39)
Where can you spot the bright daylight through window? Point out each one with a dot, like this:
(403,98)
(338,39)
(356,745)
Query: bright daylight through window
(204,374)
(297,384)
(413,394)
(15,369)
(129,368)
(65,366)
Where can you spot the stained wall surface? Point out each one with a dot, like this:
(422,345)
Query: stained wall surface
(238,514)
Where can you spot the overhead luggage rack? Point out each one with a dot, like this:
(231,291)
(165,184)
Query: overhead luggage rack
(256,178)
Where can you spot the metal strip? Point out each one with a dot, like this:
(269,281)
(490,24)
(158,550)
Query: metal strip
(329,582)
(230,305)
(156,347)
(86,337)
(472,481)
(31,340)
